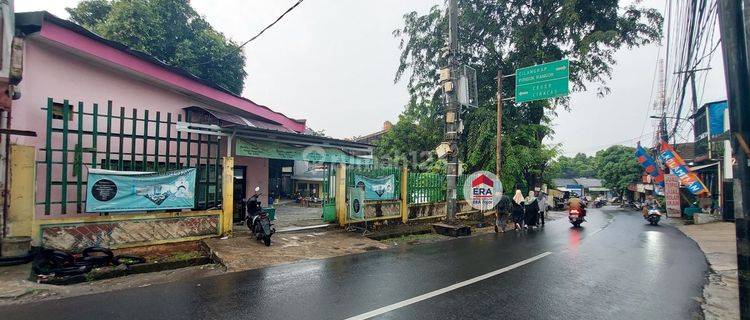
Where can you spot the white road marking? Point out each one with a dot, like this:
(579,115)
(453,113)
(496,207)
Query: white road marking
(438,292)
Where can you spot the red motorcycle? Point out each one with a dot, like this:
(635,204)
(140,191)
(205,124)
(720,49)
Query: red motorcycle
(576,216)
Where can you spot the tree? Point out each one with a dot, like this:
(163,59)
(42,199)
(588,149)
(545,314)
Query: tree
(505,35)
(617,167)
(578,166)
(413,138)
(169,30)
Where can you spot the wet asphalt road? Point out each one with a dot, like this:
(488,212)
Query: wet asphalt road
(614,267)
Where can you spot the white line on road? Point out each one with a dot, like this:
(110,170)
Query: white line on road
(438,292)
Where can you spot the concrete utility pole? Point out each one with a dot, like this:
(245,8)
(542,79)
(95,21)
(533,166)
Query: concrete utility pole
(452,112)
(499,147)
(737,76)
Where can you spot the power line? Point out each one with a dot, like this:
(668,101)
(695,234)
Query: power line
(257,35)
(603,146)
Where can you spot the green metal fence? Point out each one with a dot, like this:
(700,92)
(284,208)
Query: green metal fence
(460,180)
(425,187)
(78,136)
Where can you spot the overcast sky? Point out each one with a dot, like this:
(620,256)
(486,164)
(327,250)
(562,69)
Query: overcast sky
(332,62)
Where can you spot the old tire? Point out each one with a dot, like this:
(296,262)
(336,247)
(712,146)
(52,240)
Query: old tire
(97,256)
(49,260)
(12,261)
(71,271)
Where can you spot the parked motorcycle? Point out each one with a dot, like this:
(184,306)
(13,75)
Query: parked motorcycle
(599,203)
(576,217)
(652,215)
(257,219)
(635,205)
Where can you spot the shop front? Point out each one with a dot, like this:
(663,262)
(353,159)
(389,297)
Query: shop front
(293,170)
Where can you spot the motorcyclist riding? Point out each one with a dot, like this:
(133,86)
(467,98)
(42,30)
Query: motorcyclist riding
(576,203)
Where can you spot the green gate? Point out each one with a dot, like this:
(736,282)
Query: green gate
(329,200)
(77,136)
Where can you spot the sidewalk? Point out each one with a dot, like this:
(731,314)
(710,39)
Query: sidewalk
(719,244)
(242,252)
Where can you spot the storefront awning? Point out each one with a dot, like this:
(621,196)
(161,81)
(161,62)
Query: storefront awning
(283,151)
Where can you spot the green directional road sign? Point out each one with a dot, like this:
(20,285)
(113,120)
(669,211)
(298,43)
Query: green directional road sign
(543,81)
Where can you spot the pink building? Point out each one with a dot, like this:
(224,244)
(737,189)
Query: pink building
(66,66)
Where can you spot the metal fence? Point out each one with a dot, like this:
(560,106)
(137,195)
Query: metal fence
(425,187)
(114,139)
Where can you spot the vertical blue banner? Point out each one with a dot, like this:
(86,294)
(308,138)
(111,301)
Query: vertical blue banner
(123,191)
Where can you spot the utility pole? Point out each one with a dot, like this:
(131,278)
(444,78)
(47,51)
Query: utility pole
(499,147)
(662,104)
(452,112)
(737,76)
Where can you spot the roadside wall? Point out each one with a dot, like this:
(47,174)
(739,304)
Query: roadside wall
(120,231)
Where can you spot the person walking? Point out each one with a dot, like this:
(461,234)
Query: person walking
(531,214)
(502,210)
(543,206)
(516,210)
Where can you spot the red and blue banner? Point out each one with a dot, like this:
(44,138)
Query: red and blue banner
(677,166)
(649,165)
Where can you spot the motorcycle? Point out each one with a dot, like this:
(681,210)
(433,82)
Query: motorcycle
(637,205)
(599,203)
(257,219)
(576,217)
(652,215)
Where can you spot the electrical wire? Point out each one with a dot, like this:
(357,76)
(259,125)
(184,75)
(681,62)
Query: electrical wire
(257,35)
(604,146)
(698,21)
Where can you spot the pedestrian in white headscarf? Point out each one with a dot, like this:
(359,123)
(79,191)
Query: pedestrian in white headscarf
(517,210)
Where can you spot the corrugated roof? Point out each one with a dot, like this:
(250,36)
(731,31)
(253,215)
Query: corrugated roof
(563,182)
(31,22)
(589,182)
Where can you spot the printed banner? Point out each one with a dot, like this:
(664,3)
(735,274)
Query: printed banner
(122,191)
(678,167)
(672,195)
(381,188)
(274,150)
(649,165)
(356,204)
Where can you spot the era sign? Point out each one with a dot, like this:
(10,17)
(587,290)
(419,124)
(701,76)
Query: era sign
(482,190)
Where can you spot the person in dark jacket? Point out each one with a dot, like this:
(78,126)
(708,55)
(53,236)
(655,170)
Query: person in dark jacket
(543,206)
(502,211)
(531,213)
(516,210)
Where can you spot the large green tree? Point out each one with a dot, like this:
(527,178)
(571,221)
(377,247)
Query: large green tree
(618,167)
(169,30)
(505,35)
(578,166)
